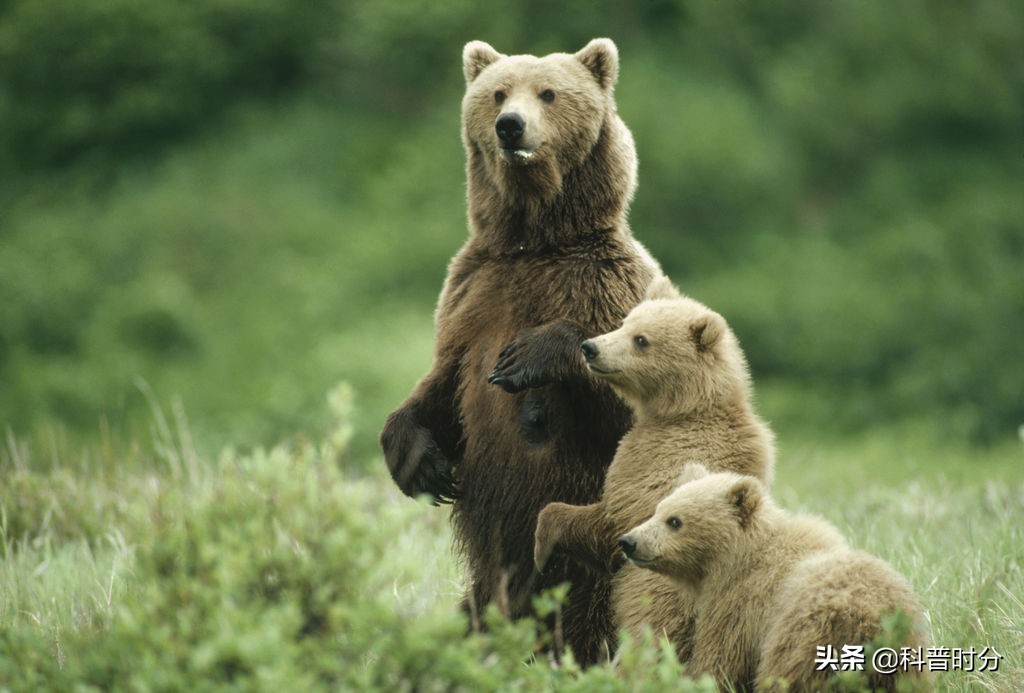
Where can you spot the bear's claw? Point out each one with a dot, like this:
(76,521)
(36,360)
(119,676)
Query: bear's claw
(434,477)
(416,463)
(538,356)
(511,376)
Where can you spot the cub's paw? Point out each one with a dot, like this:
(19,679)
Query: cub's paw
(547,536)
(538,356)
(416,464)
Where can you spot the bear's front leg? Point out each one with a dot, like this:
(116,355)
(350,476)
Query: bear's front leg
(420,439)
(575,530)
(539,356)
(548,533)
(414,459)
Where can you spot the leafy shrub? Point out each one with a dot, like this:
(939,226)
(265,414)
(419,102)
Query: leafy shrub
(273,571)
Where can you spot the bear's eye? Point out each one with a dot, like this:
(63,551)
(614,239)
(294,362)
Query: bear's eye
(641,341)
(674,522)
(500,96)
(547,96)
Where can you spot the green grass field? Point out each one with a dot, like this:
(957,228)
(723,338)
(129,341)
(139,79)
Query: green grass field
(149,566)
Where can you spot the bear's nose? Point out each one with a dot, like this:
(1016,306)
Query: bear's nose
(510,127)
(627,544)
(589,350)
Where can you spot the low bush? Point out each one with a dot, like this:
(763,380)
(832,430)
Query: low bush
(275,571)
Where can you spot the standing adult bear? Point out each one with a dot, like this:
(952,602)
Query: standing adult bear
(549,262)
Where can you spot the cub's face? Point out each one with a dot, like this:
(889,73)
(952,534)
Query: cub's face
(671,356)
(525,111)
(694,526)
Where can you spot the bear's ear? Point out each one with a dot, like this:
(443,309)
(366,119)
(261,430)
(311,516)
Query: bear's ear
(661,287)
(707,330)
(745,497)
(691,472)
(601,57)
(476,56)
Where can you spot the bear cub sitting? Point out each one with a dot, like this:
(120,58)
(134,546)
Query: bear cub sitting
(680,369)
(769,587)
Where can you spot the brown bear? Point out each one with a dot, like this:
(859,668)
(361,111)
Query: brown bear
(681,370)
(549,261)
(771,589)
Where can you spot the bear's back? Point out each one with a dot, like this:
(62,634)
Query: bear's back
(837,597)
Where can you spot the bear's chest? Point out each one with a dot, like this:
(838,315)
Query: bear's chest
(645,469)
(507,294)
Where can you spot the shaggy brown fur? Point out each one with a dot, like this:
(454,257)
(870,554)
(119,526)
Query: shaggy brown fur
(769,588)
(549,261)
(681,369)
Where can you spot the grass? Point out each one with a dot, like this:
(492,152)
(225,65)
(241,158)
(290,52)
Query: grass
(950,518)
(88,542)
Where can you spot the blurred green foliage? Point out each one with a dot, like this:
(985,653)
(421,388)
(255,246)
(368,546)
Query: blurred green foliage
(240,202)
(78,75)
(268,571)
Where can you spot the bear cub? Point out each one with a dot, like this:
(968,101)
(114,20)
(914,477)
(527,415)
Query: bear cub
(769,588)
(680,369)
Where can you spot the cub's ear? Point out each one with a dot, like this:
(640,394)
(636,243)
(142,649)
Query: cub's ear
(707,330)
(745,497)
(691,472)
(476,56)
(601,57)
(661,287)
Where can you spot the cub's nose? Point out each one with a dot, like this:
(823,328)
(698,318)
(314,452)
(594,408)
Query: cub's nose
(627,544)
(510,127)
(589,350)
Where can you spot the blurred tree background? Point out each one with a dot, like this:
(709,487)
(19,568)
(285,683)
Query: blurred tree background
(234,204)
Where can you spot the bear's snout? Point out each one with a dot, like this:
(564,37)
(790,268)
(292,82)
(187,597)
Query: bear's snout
(627,544)
(510,127)
(590,350)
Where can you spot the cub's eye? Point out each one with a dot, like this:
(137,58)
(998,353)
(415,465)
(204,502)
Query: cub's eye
(547,96)
(674,522)
(641,341)
(500,96)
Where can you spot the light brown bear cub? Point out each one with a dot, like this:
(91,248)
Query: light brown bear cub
(680,368)
(769,587)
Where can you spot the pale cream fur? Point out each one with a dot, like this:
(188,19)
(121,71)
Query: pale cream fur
(768,587)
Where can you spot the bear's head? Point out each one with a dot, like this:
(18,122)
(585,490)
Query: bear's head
(529,121)
(671,356)
(706,517)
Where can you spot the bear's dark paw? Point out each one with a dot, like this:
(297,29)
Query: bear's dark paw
(416,464)
(512,374)
(617,560)
(539,356)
